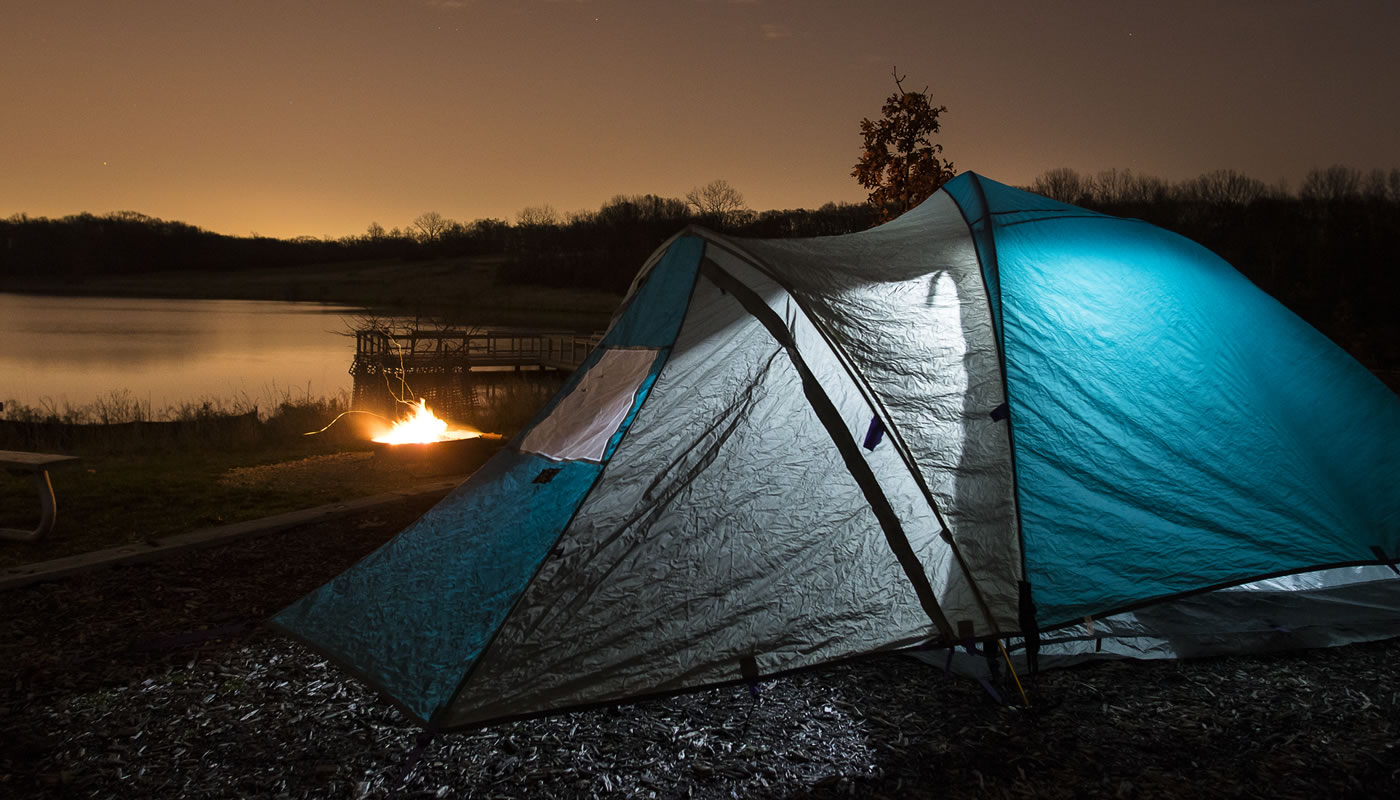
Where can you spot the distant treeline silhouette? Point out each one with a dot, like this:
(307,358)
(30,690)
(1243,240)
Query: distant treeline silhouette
(1330,251)
(42,250)
(595,249)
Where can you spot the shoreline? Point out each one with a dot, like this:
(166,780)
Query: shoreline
(455,290)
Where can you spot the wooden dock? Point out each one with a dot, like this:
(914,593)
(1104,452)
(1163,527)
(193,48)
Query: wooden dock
(444,351)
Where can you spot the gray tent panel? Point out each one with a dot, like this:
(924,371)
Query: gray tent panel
(906,304)
(896,474)
(726,528)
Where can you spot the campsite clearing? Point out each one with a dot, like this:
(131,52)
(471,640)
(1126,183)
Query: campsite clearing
(118,499)
(109,689)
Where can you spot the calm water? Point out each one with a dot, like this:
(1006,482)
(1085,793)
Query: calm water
(74,350)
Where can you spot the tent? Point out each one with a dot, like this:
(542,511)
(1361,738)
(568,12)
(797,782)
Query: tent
(994,416)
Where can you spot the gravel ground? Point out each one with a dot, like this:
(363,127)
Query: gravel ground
(159,681)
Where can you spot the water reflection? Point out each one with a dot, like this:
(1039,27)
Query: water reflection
(74,350)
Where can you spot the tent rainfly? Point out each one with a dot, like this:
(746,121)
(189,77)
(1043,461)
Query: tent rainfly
(996,416)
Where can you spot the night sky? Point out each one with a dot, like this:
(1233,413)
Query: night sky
(317,117)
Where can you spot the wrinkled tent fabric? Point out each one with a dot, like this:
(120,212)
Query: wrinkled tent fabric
(786,452)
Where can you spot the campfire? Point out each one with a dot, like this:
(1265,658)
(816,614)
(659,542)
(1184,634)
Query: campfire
(423,427)
(423,442)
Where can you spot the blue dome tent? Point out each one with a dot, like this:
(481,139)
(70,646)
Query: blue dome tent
(997,416)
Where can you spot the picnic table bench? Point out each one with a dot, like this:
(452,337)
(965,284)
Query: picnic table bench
(38,465)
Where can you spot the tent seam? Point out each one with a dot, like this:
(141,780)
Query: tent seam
(894,432)
(890,523)
(867,393)
(999,329)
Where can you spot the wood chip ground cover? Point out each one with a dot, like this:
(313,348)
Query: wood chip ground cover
(159,681)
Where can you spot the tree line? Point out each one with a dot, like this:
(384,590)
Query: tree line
(595,249)
(1328,251)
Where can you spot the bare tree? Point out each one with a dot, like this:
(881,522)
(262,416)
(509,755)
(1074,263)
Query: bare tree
(1146,189)
(430,226)
(1111,185)
(1062,184)
(537,215)
(1376,185)
(1115,187)
(717,199)
(131,216)
(1223,187)
(625,209)
(1334,183)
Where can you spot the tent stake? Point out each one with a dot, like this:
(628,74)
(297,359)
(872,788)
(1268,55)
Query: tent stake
(1024,700)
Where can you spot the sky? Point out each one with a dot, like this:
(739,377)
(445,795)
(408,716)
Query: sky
(318,117)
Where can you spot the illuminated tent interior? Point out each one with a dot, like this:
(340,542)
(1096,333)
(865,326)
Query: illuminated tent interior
(997,417)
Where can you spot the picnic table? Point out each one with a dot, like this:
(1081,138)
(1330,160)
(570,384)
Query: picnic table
(38,465)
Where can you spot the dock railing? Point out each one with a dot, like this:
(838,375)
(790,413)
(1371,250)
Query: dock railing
(449,350)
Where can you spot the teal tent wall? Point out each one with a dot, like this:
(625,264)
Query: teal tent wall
(1174,428)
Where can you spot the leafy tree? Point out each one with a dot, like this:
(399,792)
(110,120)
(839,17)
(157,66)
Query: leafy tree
(901,165)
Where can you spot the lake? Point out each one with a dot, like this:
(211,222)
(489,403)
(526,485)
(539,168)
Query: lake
(61,351)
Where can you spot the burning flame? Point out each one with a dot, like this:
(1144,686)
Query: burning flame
(421,427)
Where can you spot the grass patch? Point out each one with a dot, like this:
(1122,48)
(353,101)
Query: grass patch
(116,498)
(142,479)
